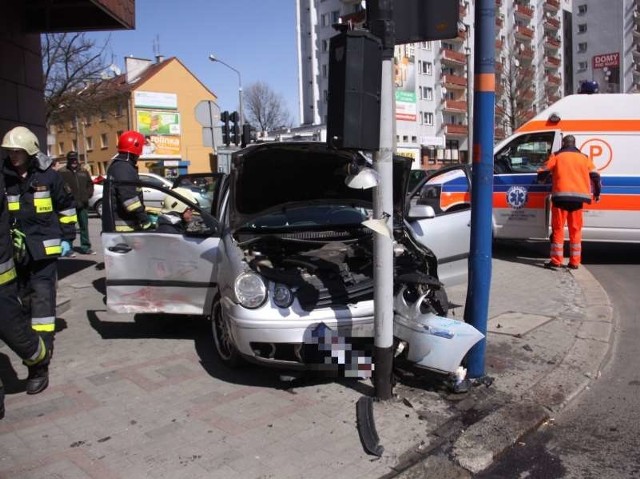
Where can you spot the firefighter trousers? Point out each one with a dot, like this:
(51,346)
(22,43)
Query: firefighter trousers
(573,219)
(37,281)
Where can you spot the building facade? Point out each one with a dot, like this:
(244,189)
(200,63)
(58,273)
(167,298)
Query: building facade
(434,80)
(607,44)
(158,100)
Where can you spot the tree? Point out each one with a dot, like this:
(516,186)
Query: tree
(515,93)
(71,63)
(265,108)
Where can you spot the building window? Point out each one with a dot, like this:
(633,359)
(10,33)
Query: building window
(582,47)
(426,93)
(325,71)
(582,28)
(582,66)
(426,45)
(87,120)
(74,145)
(104,141)
(325,45)
(582,9)
(325,95)
(89,143)
(427,118)
(414,139)
(119,110)
(426,68)
(103,115)
(324,20)
(61,148)
(335,16)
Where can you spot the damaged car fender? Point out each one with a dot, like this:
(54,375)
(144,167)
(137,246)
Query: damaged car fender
(433,342)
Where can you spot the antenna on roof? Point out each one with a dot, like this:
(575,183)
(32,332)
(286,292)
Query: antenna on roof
(156,46)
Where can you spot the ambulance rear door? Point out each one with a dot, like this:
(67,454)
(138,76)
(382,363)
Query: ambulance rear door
(521,206)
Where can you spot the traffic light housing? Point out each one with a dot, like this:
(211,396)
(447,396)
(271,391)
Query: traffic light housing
(234,132)
(224,118)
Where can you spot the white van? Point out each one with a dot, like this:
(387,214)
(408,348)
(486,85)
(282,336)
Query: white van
(606,128)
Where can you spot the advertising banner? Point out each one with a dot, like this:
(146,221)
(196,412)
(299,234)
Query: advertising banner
(161,147)
(405,83)
(606,71)
(158,122)
(406,107)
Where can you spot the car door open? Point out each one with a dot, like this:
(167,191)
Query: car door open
(152,272)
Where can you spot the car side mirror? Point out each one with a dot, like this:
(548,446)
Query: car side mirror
(419,212)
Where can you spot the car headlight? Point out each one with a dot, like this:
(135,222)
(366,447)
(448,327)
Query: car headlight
(282,296)
(250,290)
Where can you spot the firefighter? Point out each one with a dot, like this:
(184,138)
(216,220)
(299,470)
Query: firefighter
(126,200)
(574,180)
(43,217)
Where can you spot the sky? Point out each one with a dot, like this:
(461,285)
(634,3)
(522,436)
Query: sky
(256,37)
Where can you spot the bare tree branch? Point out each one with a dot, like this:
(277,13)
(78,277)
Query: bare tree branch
(71,62)
(265,108)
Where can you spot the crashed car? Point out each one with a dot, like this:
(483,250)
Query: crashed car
(286,262)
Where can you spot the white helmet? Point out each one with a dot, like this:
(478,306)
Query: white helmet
(21,138)
(174,204)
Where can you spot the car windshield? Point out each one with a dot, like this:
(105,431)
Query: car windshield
(306,215)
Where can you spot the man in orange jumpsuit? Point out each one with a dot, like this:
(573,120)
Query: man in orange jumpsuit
(573,175)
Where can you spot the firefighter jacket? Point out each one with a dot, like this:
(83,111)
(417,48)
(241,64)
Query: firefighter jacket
(7,268)
(80,183)
(41,206)
(574,178)
(126,200)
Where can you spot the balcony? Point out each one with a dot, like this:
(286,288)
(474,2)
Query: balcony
(636,53)
(454,82)
(554,80)
(451,129)
(523,33)
(499,21)
(551,24)
(455,106)
(523,12)
(551,42)
(551,5)
(453,57)
(525,53)
(636,32)
(463,11)
(552,62)
(498,3)
(499,45)
(636,17)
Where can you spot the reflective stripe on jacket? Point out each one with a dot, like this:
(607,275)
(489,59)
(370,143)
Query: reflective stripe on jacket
(126,200)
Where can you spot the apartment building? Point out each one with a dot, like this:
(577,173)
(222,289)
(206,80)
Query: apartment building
(434,80)
(158,99)
(606,37)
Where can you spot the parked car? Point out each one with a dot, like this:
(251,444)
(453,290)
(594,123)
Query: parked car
(287,259)
(153,198)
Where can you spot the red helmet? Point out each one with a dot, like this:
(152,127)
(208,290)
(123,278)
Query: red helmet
(131,142)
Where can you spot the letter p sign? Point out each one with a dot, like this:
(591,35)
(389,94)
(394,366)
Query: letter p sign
(598,151)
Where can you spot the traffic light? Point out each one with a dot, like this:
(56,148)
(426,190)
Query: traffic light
(224,118)
(234,132)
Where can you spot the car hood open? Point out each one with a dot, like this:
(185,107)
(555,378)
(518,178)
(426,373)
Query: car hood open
(269,175)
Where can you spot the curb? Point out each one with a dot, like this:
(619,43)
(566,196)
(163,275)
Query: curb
(476,448)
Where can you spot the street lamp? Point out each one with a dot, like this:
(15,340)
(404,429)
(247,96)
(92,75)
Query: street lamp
(213,58)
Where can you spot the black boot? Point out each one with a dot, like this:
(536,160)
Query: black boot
(38,379)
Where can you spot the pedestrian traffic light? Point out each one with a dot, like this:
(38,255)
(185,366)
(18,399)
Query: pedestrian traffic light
(234,132)
(224,118)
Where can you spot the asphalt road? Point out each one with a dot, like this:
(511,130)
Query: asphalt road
(597,435)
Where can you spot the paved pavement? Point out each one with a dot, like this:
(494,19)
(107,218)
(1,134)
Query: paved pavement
(144,396)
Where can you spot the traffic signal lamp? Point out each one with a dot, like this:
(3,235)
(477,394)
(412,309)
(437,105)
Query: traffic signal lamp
(224,118)
(234,132)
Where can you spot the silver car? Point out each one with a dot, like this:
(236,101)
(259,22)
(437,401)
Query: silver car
(286,261)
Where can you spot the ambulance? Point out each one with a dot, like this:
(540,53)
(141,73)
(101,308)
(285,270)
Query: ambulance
(607,130)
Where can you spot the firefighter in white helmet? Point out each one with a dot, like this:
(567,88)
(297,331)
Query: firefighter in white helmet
(178,216)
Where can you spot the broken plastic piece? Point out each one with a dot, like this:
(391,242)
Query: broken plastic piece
(367,427)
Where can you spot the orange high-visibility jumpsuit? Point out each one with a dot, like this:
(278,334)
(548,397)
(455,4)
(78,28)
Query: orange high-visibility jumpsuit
(572,173)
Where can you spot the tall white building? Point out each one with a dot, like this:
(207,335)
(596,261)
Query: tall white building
(606,41)
(434,80)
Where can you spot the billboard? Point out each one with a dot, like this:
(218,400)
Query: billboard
(606,71)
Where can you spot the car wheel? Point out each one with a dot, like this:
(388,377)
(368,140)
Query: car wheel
(225,348)
(98,208)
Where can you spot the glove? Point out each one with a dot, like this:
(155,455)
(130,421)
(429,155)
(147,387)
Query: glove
(66,248)
(146,226)
(19,244)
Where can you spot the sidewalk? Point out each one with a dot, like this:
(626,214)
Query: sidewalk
(146,397)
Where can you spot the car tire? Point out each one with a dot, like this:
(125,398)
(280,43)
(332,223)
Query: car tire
(98,208)
(223,342)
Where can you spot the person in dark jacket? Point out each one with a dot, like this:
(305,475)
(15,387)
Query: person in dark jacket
(42,210)
(79,180)
(15,329)
(126,200)
(574,180)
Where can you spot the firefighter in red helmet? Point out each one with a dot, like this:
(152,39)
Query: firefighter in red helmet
(126,200)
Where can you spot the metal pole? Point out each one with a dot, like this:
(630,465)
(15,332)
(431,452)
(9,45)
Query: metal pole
(477,303)
(381,25)
(213,58)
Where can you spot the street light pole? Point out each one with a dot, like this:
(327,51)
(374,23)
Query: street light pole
(213,58)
